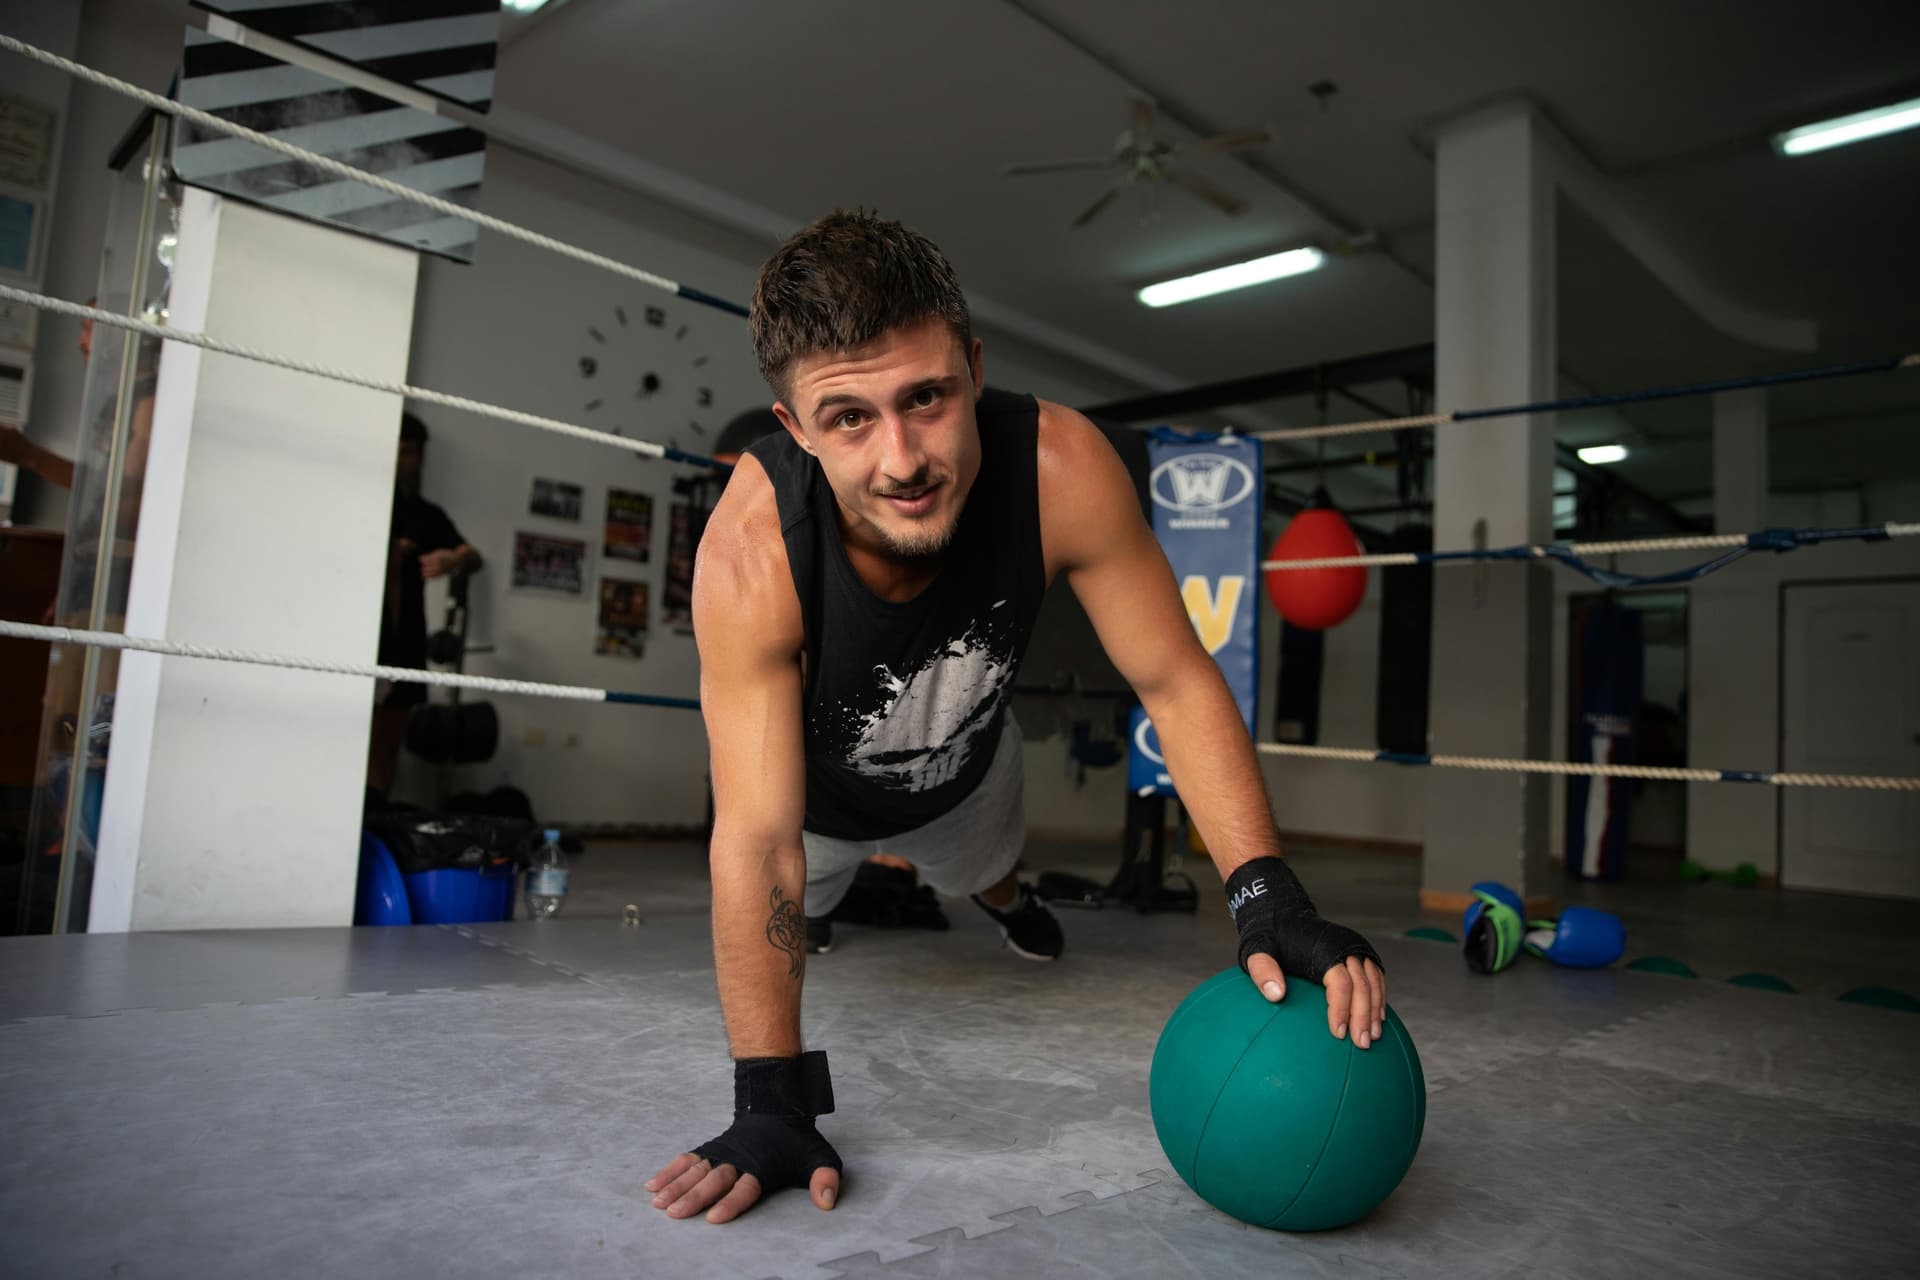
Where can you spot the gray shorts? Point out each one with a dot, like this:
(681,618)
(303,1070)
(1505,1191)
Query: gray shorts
(964,850)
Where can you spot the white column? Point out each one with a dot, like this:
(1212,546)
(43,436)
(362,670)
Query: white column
(1740,460)
(234,792)
(1494,335)
(1733,677)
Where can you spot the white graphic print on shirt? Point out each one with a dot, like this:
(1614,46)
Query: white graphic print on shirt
(931,720)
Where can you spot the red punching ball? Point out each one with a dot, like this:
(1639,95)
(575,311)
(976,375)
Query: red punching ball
(1315,599)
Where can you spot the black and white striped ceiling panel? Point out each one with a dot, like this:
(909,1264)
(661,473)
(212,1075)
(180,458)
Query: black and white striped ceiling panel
(444,47)
(441,47)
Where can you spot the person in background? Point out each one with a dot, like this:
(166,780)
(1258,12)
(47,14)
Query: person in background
(422,544)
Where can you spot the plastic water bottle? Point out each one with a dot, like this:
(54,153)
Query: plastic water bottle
(547,879)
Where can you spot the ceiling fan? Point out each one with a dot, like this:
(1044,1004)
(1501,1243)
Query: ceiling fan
(1143,159)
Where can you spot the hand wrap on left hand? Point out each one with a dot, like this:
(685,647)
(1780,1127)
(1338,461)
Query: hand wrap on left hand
(1271,909)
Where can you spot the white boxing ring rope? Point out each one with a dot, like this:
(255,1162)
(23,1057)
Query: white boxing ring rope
(576,693)
(147,328)
(1547,551)
(1560,768)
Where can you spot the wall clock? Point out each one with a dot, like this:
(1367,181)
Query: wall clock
(644,373)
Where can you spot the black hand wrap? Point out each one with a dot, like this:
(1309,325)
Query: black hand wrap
(772,1137)
(1274,915)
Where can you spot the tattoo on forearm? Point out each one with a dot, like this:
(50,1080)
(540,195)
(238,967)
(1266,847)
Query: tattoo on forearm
(787,929)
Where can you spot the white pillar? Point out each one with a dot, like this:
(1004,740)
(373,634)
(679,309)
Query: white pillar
(1740,460)
(234,792)
(1494,333)
(1733,676)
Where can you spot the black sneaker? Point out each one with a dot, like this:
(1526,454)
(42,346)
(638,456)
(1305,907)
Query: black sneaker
(1027,925)
(819,935)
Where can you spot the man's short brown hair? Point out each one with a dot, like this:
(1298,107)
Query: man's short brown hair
(843,282)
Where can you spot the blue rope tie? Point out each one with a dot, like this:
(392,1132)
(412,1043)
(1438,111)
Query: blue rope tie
(1778,540)
(1614,578)
(695,459)
(692,294)
(1684,389)
(653,700)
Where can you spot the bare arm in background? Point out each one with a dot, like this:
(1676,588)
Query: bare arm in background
(17,449)
(460,559)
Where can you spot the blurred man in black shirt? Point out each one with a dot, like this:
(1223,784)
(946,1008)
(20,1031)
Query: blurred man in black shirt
(422,544)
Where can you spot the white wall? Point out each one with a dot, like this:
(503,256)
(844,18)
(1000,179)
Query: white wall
(1831,508)
(1734,713)
(511,328)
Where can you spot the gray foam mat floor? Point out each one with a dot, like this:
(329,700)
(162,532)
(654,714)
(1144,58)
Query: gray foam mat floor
(82,975)
(487,1099)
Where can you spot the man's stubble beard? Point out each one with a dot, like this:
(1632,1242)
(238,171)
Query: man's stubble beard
(922,546)
(919,544)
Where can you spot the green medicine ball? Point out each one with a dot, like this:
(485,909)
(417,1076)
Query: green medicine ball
(1269,1118)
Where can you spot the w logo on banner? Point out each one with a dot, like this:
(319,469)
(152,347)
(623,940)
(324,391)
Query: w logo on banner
(1213,613)
(1201,482)
(1197,487)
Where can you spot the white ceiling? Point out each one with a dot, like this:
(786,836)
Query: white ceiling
(911,107)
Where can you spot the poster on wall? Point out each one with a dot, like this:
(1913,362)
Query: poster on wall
(685,524)
(542,563)
(555,499)
(629,526)
(623,619)
(26,142)
(19,233)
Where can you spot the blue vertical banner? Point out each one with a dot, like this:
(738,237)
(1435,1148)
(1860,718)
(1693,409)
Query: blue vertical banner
(1206,491)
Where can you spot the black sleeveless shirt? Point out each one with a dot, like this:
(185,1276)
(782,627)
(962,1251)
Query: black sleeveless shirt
(904,701)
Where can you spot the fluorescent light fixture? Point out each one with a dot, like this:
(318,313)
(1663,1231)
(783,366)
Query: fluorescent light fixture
(1854,128)
(1599,455)
(522,6)
(1275,266)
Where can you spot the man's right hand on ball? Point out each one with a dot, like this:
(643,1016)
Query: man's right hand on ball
(771,1144)
(1281,936)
